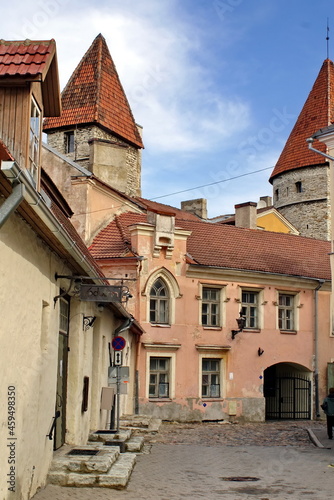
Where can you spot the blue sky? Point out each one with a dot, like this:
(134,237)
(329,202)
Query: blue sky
(217,85)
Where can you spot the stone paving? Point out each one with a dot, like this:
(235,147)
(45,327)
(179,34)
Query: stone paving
(213,461)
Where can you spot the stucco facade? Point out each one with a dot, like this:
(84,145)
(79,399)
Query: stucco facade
(185,342)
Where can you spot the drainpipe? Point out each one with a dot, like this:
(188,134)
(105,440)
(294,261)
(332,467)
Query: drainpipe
(316,354)
(11,203)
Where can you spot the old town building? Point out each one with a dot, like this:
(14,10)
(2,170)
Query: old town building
(236,320)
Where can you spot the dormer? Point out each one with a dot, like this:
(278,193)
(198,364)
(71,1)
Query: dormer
(29,91)
(164,229)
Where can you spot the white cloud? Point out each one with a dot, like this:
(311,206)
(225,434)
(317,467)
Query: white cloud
(159,56)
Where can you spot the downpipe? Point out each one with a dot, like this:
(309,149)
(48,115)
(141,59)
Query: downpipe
(11,203)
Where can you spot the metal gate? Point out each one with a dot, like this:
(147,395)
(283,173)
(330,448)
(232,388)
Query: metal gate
(288,397)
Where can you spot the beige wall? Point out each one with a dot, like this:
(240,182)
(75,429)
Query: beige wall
(29,353)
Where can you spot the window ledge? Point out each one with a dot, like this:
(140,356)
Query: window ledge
(209,400)
(252,330)
(169,346)
(216,328)
(160,400)
(289,332)
(160,325)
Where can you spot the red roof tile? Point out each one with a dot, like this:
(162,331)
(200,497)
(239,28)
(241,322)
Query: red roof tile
(114,241)
(229,247)
(4,153)
(94,94)
(25,58)
(160,208)
(317,112)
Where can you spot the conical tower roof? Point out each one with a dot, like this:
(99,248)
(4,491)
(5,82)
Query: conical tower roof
(94,94)
(317,112)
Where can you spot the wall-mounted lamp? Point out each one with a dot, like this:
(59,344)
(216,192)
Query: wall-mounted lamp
(241,325)
(260,351)
(126,295)
(88,322)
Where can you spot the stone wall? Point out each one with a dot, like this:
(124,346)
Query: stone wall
(121,168)
(302,196)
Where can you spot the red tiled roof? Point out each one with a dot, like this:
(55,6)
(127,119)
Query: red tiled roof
(94,94)
(160,208)
(230,247)
(4,153)
(25,58)
(29,61)
(114,240)
(317,112)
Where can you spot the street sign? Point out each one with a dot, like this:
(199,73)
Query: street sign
(101,293)
(118,358)
(118,343)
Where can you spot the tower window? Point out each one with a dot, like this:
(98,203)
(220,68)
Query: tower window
(299,187)
(69,142)
(276,194)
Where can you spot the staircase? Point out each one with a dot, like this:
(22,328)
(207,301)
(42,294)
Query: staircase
(108,458)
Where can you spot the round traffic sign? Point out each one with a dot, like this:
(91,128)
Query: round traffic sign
(118,343)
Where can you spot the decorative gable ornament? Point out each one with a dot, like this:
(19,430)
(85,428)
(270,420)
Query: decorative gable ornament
(164,229)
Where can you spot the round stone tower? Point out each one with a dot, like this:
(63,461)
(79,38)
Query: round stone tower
(300,178)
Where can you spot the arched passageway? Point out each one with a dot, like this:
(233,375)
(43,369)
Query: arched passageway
(287,391)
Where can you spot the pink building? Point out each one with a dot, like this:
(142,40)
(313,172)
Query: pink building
(192,281)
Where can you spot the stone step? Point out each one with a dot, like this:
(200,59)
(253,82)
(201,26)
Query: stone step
(135,444)
(105,435)
(140,422)
(117,476)
(84,462)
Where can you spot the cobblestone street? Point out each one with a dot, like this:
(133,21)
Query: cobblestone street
(269,461)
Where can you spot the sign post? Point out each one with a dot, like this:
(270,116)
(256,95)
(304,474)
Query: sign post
(118,345)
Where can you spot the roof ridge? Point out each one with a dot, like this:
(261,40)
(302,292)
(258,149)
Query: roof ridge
(121,230)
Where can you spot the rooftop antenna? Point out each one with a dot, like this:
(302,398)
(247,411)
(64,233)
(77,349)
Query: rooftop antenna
(327,38)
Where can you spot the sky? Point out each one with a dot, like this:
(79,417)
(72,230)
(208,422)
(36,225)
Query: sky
(217,85)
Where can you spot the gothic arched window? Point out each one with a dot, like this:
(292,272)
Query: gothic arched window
(159,302)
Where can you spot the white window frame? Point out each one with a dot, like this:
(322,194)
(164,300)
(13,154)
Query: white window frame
(222,366)
(34,140)
(259,293)
(221,313)
(174,293)
(159,300)
(172,362)
(294,309)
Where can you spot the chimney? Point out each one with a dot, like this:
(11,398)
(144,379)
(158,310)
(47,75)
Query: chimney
(197,207)
(267,200)
(245,215)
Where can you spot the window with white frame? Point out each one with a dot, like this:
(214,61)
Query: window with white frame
(210,306)
(159,377)
(286,311)
(159,302)
(34,140)
(250,308)
(211,377)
